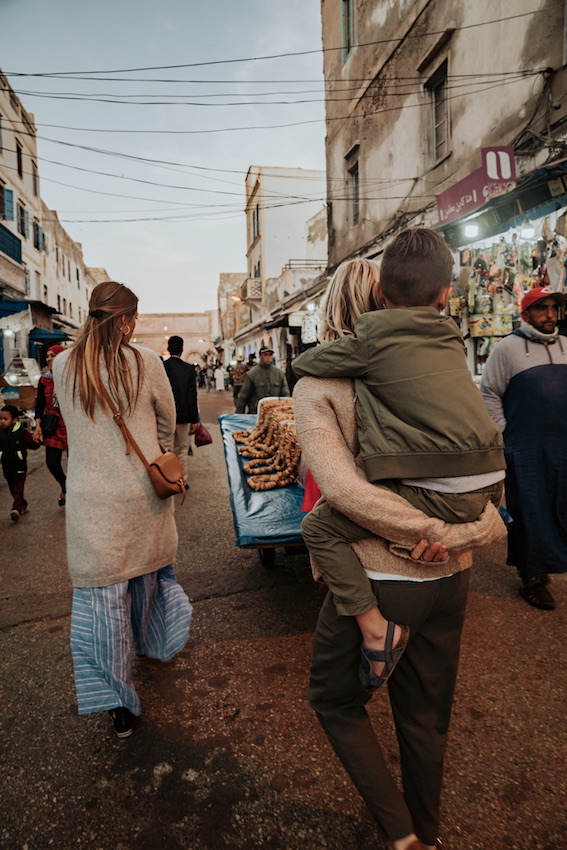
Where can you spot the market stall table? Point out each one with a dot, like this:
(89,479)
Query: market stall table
(266,519)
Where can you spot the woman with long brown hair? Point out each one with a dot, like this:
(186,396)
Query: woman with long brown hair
(121,538)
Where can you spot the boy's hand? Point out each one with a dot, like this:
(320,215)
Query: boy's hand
(431,552)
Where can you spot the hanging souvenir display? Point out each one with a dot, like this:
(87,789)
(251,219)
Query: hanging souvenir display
(494,276)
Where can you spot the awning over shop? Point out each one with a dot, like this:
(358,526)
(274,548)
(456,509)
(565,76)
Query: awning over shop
(12,305)
(40,339)
(277,323)
(544,191)
(43,334)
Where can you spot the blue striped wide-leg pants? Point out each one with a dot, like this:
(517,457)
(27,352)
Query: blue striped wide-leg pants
(150,614)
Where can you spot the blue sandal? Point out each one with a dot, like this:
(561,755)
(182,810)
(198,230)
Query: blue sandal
(389,656)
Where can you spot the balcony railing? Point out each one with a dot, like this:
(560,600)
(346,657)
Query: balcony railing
(251,289)
(305,264)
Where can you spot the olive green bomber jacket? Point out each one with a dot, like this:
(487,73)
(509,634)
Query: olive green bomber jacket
(419,413)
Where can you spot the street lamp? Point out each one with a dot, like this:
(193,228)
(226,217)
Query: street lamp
(238,300)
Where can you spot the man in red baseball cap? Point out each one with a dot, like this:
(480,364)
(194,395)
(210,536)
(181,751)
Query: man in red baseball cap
(524,385)
(534,297)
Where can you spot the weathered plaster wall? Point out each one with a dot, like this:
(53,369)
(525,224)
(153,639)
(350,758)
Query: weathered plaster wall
(388,115)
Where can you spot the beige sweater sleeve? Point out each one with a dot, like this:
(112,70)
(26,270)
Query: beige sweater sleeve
(326,429)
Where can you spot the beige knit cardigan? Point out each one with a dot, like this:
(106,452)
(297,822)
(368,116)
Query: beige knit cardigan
(326,429)
(117,528)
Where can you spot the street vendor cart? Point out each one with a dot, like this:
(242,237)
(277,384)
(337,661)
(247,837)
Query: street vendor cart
(266,519)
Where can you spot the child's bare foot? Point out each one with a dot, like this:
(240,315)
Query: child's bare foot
(379,644)
(379,655)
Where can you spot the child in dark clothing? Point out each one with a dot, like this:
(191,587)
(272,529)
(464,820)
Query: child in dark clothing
(15,441)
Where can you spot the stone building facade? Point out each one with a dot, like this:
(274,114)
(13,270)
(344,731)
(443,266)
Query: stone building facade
(199,331)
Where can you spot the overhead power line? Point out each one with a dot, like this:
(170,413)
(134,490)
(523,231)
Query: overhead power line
(280,55)
(353,116)
(391,91)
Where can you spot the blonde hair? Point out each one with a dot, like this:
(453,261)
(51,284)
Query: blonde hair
(102,339)
(351,292)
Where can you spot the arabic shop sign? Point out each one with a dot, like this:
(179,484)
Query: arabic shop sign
(497,176)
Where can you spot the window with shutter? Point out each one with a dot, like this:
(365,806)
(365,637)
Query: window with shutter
(26,224)
(439,121)
(21,220)
(8,205)
(19,159)
(348,26)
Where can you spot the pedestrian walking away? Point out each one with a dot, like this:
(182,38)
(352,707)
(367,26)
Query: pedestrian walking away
(121,538)
(238,374)
(262,381)
(397,355)
(219,378)
(524,384)
(15,440)
(54,440)
(416,574)
(183,382)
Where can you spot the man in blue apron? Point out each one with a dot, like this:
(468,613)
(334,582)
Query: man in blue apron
(524,385)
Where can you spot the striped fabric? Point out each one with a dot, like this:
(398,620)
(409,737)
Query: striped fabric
(150,614)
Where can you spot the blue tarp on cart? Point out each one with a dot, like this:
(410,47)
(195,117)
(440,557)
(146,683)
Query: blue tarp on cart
(261,517)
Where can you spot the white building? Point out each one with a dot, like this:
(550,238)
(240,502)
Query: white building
(280,247)
(66,281)
(44,283)
(21,235)
(233,314)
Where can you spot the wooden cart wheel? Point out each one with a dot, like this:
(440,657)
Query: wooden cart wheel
(267,557)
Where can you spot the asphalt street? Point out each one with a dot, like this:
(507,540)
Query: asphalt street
(227,753)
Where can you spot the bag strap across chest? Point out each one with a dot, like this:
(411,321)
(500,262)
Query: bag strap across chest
(126,433)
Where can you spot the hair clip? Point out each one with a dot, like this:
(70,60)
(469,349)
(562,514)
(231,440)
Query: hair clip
(97,314)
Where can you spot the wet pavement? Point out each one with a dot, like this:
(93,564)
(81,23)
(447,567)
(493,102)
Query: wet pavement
(227,753)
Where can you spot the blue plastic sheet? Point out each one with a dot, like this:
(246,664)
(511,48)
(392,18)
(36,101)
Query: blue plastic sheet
(261,517)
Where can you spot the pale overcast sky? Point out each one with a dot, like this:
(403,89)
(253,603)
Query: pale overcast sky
(194,227)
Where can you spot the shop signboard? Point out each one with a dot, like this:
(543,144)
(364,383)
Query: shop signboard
(497,176)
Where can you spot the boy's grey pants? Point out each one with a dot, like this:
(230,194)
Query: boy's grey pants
(421,694)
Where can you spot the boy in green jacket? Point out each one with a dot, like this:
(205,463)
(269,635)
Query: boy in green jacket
(423,428)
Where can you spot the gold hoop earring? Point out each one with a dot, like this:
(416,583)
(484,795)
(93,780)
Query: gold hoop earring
(125,330)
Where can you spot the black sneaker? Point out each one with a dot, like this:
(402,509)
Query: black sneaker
(123,721)
(14,515)
(535,592)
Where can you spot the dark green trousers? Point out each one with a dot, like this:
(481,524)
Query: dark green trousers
(421,695)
